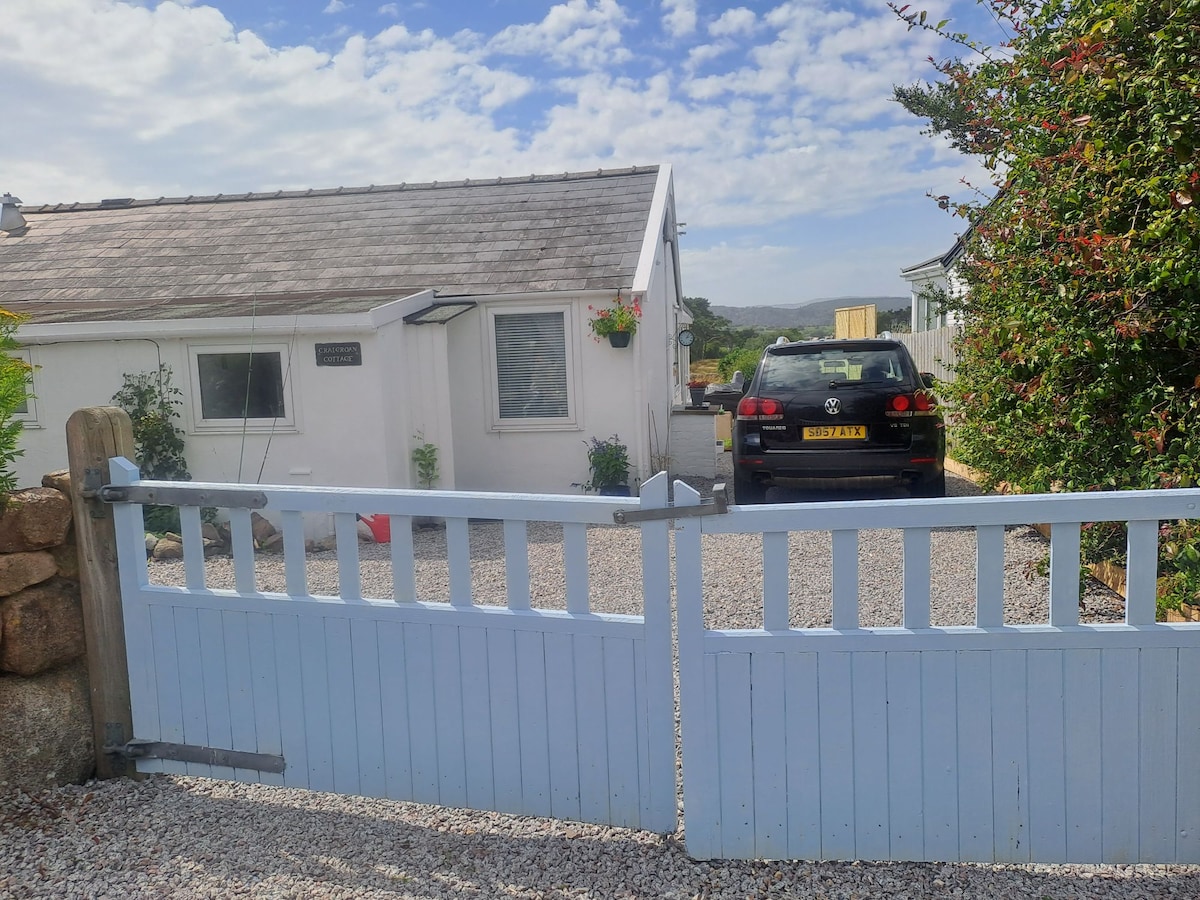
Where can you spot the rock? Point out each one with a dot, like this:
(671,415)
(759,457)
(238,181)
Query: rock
(210,532)
(66,557)
(261,528)
(51,718)
(42,628)
(34,519)
(19,570)
(168,548)
(151,540)
(213,548)
(272,544)
(60,481)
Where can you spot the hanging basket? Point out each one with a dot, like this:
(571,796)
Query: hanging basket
(619,338)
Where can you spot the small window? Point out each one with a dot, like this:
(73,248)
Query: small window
(236,386)
(533,364)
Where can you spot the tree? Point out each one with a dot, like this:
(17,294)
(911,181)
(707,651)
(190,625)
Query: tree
(712,331)
(1079,363)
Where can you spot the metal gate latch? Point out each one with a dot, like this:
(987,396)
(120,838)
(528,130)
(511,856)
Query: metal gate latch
(718,505)
(193,753)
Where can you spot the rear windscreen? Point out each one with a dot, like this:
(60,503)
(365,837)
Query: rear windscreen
(815,370)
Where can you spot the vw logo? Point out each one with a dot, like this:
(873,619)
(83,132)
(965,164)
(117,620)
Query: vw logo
(833,406)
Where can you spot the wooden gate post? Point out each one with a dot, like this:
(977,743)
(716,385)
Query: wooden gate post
(93,436)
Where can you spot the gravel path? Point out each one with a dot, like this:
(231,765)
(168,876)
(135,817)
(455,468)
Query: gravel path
(192,837)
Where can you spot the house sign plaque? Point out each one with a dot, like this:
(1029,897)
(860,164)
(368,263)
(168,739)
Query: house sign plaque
(345,353)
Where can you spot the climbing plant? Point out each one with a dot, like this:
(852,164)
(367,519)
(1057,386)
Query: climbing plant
(14,386)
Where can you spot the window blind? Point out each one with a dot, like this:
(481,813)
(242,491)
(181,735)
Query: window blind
(531,365)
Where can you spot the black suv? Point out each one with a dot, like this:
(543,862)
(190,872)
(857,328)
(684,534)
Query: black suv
(838,413)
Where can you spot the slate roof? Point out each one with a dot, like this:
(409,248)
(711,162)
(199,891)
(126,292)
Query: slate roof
(336,250)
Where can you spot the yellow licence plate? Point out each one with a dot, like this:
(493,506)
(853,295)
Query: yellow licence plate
(836,433)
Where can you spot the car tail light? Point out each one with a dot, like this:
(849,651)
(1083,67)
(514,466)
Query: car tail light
(759,409)
(906,405)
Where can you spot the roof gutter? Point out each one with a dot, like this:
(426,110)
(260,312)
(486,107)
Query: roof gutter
(194,328)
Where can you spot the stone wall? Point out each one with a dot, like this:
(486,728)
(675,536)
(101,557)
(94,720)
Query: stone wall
(45,713)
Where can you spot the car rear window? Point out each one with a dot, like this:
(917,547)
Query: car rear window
(813,370)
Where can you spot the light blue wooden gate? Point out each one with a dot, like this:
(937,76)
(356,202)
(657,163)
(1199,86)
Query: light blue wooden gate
(564,713)
(1059,742)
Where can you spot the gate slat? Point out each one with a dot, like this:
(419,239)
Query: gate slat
(393,690)
(458,559)
(294,556)
(837,766)
(1047,756)
(241,542)
(477,718)
(575,561)
(769,745)
(404,583)
(291,699)
(240,680)
(516,563)
(560,722)
(941,755)
(193,547)
(1011,782)
(869,719)
(1158,682)
(916,577)
(531,715)
(803,756)
(422,717)
(1141,572)
(368,707)
(845,580)
(191,684)
(974,764)
(1083,782)
(775,580)
(989,576)
(343,702)
(345,529)
(1064,574)
(265,692)
(1119,753)
(619,697)
(904,756)
(506,733)
(1187,787)
(447,689)
(736,752)
(317,725)
(593,745)
(168,696)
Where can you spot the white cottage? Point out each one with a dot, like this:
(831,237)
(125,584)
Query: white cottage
(313,334)
(931,279)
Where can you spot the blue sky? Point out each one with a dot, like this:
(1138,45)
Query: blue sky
(796,174)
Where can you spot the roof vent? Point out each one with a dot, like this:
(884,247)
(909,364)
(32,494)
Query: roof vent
(10,217)
(116,202)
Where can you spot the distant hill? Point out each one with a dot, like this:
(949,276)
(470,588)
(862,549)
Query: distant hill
(792,315)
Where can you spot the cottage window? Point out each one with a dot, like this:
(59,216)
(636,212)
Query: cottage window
(26,411)
(241,387)
(533,363)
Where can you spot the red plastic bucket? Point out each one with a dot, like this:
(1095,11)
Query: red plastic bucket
(381,527)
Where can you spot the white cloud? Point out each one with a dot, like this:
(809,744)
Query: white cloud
(335,6)
(578,33)
(389,9)
(679,17)
(737,21)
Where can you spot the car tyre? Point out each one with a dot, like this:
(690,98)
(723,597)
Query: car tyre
(747,492)
(934,486)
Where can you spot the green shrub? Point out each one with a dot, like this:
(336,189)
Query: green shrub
(744,361)
(609,463)
(152,403)
(14,385)
(425,459)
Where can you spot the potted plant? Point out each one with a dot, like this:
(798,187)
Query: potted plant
(618,322)
(697,387)
(609,462)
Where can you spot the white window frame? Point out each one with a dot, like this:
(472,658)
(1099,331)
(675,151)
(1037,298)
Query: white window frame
(288,422)
(569,422)
(30,417)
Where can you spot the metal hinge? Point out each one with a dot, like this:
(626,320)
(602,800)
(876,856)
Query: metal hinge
(718,505)
(211,756)
(182,495)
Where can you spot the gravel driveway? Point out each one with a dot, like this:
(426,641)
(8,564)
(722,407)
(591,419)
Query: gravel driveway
(192,837)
